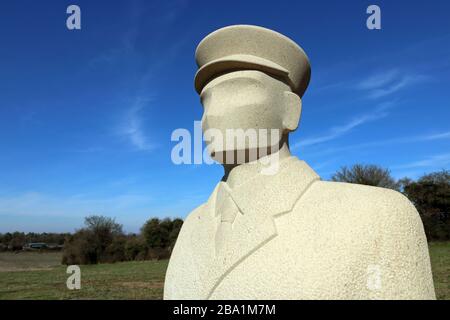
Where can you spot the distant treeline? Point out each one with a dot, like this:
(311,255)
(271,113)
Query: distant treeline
(103,240)
(17,240)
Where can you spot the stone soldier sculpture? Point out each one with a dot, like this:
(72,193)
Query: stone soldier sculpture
(286,235)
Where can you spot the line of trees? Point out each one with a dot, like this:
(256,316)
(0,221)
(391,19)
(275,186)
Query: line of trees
(17,240)
(430,194)
(102,240)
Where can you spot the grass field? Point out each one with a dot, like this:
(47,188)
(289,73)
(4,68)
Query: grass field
(440,264)
(33,275)
(125,280)
(29,261)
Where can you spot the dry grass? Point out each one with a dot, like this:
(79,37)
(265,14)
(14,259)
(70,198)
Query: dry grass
(33,275)
(440,264)
(29,261)
(125,280)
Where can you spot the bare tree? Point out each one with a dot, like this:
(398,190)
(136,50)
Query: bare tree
(370,175)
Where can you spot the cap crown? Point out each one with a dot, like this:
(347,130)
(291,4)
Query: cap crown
(246,47)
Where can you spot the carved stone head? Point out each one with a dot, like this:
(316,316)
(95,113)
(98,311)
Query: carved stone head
(250,80)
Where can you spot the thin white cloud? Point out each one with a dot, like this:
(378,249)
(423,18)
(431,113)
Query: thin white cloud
(126,48)
(381,143)
(35,203)
(409,139)
(437,136)
(42,212)
(440,160)
(35,211)
(132,127)
(378,80)
(338,131)
(403,82)
(389,82)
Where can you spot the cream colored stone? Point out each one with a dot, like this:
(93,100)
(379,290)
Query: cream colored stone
(248,47)
(287,235)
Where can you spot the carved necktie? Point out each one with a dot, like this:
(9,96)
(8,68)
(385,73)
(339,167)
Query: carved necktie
(226,211)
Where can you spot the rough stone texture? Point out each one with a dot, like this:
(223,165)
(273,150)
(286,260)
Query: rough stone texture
(248,47)
(289,235)
(297,237)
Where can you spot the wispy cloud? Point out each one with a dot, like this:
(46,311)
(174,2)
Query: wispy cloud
(437,136)
(338,131)
(389,82)
(378,80)
(389,141)
(132,127)
(439,160)
(142,63)
(35,211)
(35,203)
(127,47)
(332,76)
(44,212)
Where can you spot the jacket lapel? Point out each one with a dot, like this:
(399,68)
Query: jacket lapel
(260,200)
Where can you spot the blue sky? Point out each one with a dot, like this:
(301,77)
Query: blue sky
(86,116)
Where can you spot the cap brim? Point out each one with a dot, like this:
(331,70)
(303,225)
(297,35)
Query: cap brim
(234,63)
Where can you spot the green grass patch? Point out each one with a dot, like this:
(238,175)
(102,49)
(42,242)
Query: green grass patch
(440,264)
(21,279)
(23,261)
(125,280)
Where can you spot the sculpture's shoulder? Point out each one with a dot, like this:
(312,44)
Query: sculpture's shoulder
(193,223)
(181,265)
(382,209)
(351,197)
(379,223)
(192,218)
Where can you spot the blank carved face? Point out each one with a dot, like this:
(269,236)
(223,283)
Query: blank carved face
(242,103)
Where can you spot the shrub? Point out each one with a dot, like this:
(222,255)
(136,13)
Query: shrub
(161,233)
(80,248)
(115,251)
(155,233)
(135,248)
(158,253)
(17,241)
(371,175)
(103,241)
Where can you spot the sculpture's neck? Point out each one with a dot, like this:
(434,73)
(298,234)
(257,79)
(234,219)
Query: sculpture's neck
(236,175)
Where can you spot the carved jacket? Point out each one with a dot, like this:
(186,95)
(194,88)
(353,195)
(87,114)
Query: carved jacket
(293,236)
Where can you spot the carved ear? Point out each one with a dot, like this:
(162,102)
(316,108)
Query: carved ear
(292,110)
